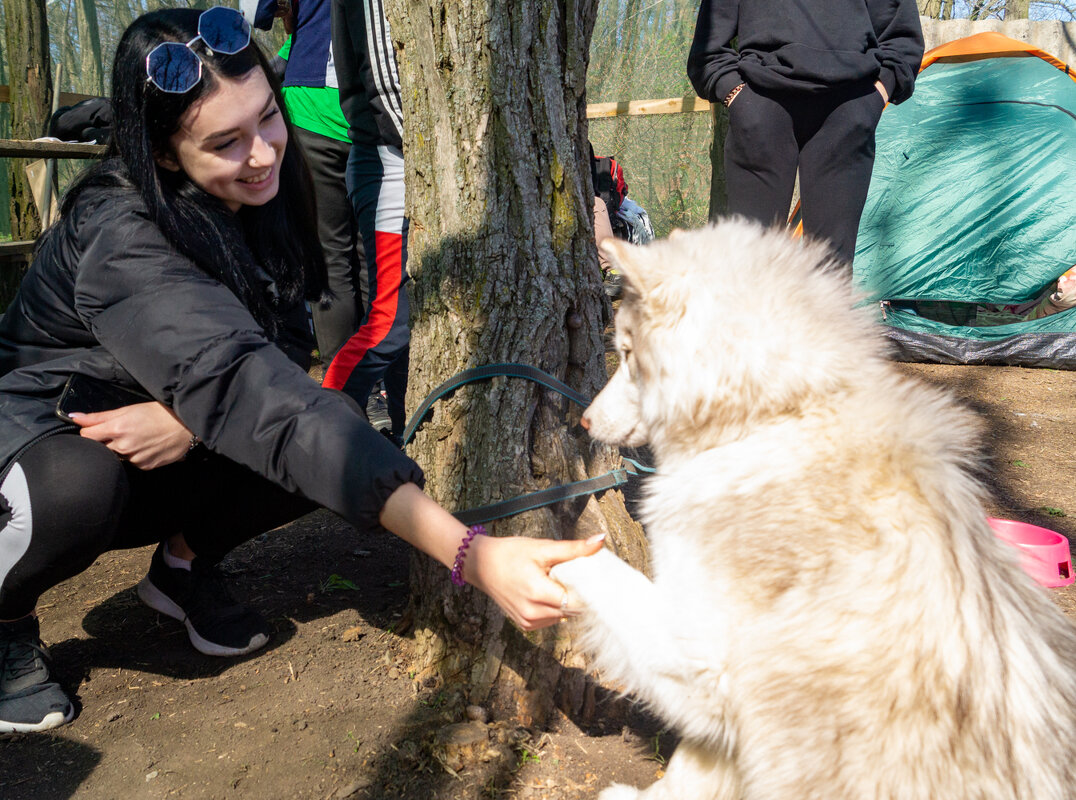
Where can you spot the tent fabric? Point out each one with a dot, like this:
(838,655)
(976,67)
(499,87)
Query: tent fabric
(973,200)
(1053,350)
(988,44)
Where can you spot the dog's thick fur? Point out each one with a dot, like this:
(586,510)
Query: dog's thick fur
(830,617)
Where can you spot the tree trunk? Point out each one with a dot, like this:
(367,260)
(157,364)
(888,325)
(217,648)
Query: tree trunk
(930,8)
(1017,9)
(5,133)
(92,69)
(27,37)
(66,41)
(505,270)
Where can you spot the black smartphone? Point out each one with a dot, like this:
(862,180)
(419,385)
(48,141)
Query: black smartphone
(86,395)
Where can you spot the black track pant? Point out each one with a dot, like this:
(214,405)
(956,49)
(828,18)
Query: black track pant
(68,499)
(340,240)
(828,137)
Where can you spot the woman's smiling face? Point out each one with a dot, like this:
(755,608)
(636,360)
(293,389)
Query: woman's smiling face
(231,142)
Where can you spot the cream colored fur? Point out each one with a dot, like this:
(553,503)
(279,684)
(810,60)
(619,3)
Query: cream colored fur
(830,617)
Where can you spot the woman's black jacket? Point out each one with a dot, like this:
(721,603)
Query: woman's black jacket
(107,296)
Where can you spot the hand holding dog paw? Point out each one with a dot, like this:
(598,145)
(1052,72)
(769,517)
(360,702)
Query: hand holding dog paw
(515,572)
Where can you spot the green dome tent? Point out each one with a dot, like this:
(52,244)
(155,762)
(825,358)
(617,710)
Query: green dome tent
(973,201)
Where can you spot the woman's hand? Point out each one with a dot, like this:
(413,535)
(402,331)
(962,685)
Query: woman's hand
(514,571)
(880,88)
(147,434)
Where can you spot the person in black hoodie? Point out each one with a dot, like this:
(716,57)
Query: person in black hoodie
(805,82)
(178,269)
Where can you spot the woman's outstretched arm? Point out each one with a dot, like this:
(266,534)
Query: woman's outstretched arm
(514,571)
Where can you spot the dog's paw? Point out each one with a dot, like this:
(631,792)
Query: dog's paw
(598,580)
(571,573)
(579,573)
(619,791)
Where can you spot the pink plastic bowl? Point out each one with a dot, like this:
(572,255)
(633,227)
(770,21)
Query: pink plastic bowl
(1044,554)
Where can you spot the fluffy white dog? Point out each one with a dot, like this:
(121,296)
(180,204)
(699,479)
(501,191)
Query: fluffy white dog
(830,617)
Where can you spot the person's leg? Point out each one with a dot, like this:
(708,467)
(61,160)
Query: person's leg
(376,188)
(59,506)
(396,393)
(761,154)
(71,492)
(835,169)
(603,229)
(214,503)
(227,504)
(339,235)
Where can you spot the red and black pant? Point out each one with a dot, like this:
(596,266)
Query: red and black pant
(379,349)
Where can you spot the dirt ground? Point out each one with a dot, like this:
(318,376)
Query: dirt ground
(328,710)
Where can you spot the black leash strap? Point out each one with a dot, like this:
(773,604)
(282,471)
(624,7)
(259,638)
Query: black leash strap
(543,497)
(484,374)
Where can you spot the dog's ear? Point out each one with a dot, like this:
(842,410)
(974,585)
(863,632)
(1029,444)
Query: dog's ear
(626,261)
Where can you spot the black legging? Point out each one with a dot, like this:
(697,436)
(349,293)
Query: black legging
(828,138)
(85,501)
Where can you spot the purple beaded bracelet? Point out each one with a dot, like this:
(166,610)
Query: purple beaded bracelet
(457,567)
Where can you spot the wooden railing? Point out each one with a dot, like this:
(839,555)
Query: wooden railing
(639,108)
(19,252)
(22,148)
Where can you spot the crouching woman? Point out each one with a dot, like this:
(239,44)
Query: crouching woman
(179,269)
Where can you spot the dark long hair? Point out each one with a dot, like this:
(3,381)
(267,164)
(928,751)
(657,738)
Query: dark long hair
(268,255)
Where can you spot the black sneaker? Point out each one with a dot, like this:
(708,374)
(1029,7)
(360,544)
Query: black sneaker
(377,411)
(29,700)
(216,623)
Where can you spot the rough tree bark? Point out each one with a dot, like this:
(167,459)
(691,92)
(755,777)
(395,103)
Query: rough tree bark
(1017,9)
(26,34)
(505,270)
(5,133)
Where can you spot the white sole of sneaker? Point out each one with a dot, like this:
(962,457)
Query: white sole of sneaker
(52,720)
(162,603)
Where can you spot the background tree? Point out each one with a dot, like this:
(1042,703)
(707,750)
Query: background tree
(505,270)
(91,67)
(5,133)
(26,36)
(638,52)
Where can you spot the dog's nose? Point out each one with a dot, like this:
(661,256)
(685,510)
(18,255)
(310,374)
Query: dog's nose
(585,423)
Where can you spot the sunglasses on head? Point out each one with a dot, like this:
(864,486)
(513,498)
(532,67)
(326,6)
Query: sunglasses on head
(176,68)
